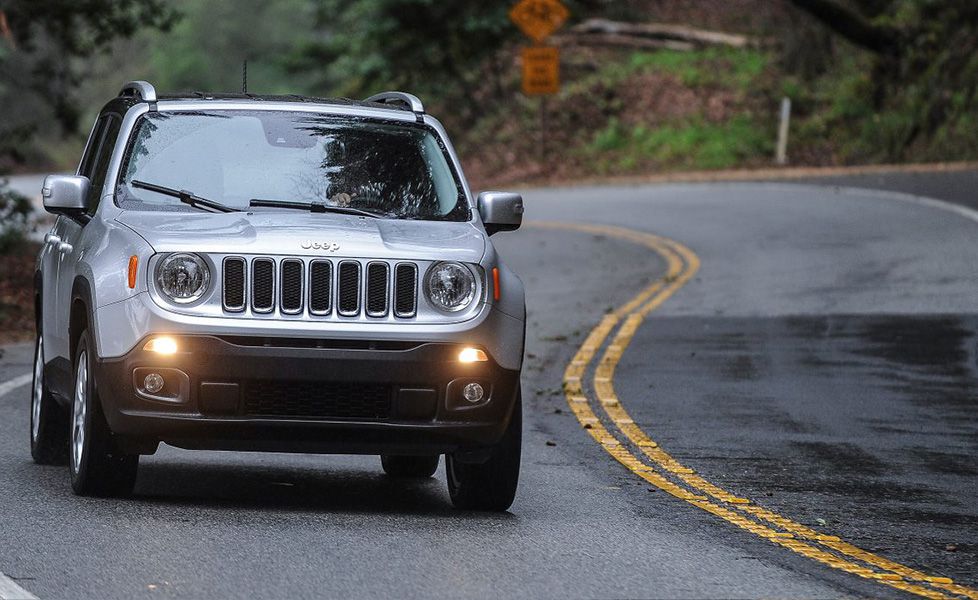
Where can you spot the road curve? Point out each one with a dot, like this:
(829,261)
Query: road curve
(821,363)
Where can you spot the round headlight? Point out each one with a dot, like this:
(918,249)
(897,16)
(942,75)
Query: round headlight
(450,286)
(182,278)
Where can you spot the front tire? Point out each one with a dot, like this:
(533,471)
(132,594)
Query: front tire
(490,485)
(416,467)
(97,466)
(49,421)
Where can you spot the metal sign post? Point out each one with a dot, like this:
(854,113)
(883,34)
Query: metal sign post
(538,19)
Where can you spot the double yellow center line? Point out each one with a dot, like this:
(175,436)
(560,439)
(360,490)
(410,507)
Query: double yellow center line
(626,442)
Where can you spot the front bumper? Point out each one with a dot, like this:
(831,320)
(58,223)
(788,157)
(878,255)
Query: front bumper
(121,325)
(300,395)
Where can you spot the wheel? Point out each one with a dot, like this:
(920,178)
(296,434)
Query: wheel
(490,485)
(409,466)
(49,421)
(97,466)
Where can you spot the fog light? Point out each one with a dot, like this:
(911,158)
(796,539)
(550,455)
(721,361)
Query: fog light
(161,345)
(473,392)
(153,383)
(470,355)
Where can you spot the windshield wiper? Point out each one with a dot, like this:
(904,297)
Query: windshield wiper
(185,197)
(314,207)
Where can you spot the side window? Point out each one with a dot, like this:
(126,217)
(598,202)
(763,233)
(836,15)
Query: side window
(91,148)
(100,162)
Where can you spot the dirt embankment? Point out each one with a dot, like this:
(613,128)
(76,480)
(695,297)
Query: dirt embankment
(17,294)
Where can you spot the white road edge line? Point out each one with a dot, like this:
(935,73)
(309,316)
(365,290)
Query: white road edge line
(958,209)
(9,590)
(5,388)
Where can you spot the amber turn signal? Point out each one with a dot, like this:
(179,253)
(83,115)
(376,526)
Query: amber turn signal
(133,267)
(495,283)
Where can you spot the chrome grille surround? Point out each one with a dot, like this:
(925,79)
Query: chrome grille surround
(348,284)
(234,289)
(262,285)
(405,290)
(378,289)
(292,275)
(405,298)
(320,287)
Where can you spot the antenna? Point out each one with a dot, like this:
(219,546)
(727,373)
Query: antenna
(244,76)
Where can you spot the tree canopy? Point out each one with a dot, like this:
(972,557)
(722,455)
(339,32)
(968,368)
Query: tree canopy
(40,44)
(926,65)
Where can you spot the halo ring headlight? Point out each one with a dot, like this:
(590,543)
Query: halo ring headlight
(182,278)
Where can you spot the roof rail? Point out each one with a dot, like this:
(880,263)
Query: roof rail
(409,101)
(139,89)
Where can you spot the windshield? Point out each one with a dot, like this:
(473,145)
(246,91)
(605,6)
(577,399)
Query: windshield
(233,157)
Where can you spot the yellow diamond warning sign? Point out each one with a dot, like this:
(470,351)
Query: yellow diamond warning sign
(539,18)
(541,71)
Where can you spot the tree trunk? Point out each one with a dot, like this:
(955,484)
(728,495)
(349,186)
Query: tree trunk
(853,27)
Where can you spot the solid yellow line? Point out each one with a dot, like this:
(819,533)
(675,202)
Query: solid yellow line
(681,265)
(623,338)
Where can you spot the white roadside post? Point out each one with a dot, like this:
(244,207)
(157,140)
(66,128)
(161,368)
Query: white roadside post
(782,152)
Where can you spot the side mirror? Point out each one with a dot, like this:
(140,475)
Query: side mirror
(65,194)
(501,211)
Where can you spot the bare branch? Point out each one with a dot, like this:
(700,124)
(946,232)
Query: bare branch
(852,26)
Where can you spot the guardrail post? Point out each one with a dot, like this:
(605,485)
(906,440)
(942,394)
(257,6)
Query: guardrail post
(782,153)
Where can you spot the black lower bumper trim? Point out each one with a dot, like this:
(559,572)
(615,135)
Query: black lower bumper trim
(319,399)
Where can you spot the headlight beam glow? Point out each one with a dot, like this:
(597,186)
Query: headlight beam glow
(161,345)
(471,355)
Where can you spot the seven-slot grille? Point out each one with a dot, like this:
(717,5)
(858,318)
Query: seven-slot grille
(320,286)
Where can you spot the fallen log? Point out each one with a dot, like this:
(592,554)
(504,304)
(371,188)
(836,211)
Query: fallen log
(606,32)
(620,41)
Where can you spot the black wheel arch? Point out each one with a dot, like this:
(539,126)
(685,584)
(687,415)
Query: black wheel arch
(81,316)
(38,307)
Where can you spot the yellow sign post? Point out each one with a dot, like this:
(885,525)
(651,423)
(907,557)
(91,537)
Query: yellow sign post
(539,18)
(541,70)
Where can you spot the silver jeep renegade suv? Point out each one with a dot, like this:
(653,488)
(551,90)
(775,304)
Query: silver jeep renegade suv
(293,274)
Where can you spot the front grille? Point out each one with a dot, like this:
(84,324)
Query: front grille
(349,285)
(234,284)
(295,286)
(405,290)
(320,287)
(263,285)
(317,400)
(377,289)
(291,284)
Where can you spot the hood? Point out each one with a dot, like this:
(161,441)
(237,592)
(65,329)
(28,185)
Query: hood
(307,234)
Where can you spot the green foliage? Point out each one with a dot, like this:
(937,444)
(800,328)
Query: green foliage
(49,34)
(430,46)
(912,100)
(205,49)
(38,75)
(693,145)
(15,212)
(446,52)
(733,67)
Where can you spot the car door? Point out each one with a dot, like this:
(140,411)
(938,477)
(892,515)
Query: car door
(71,248)
(50,257)
(55,307)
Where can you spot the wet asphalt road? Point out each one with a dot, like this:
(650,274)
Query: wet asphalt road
(822,363)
